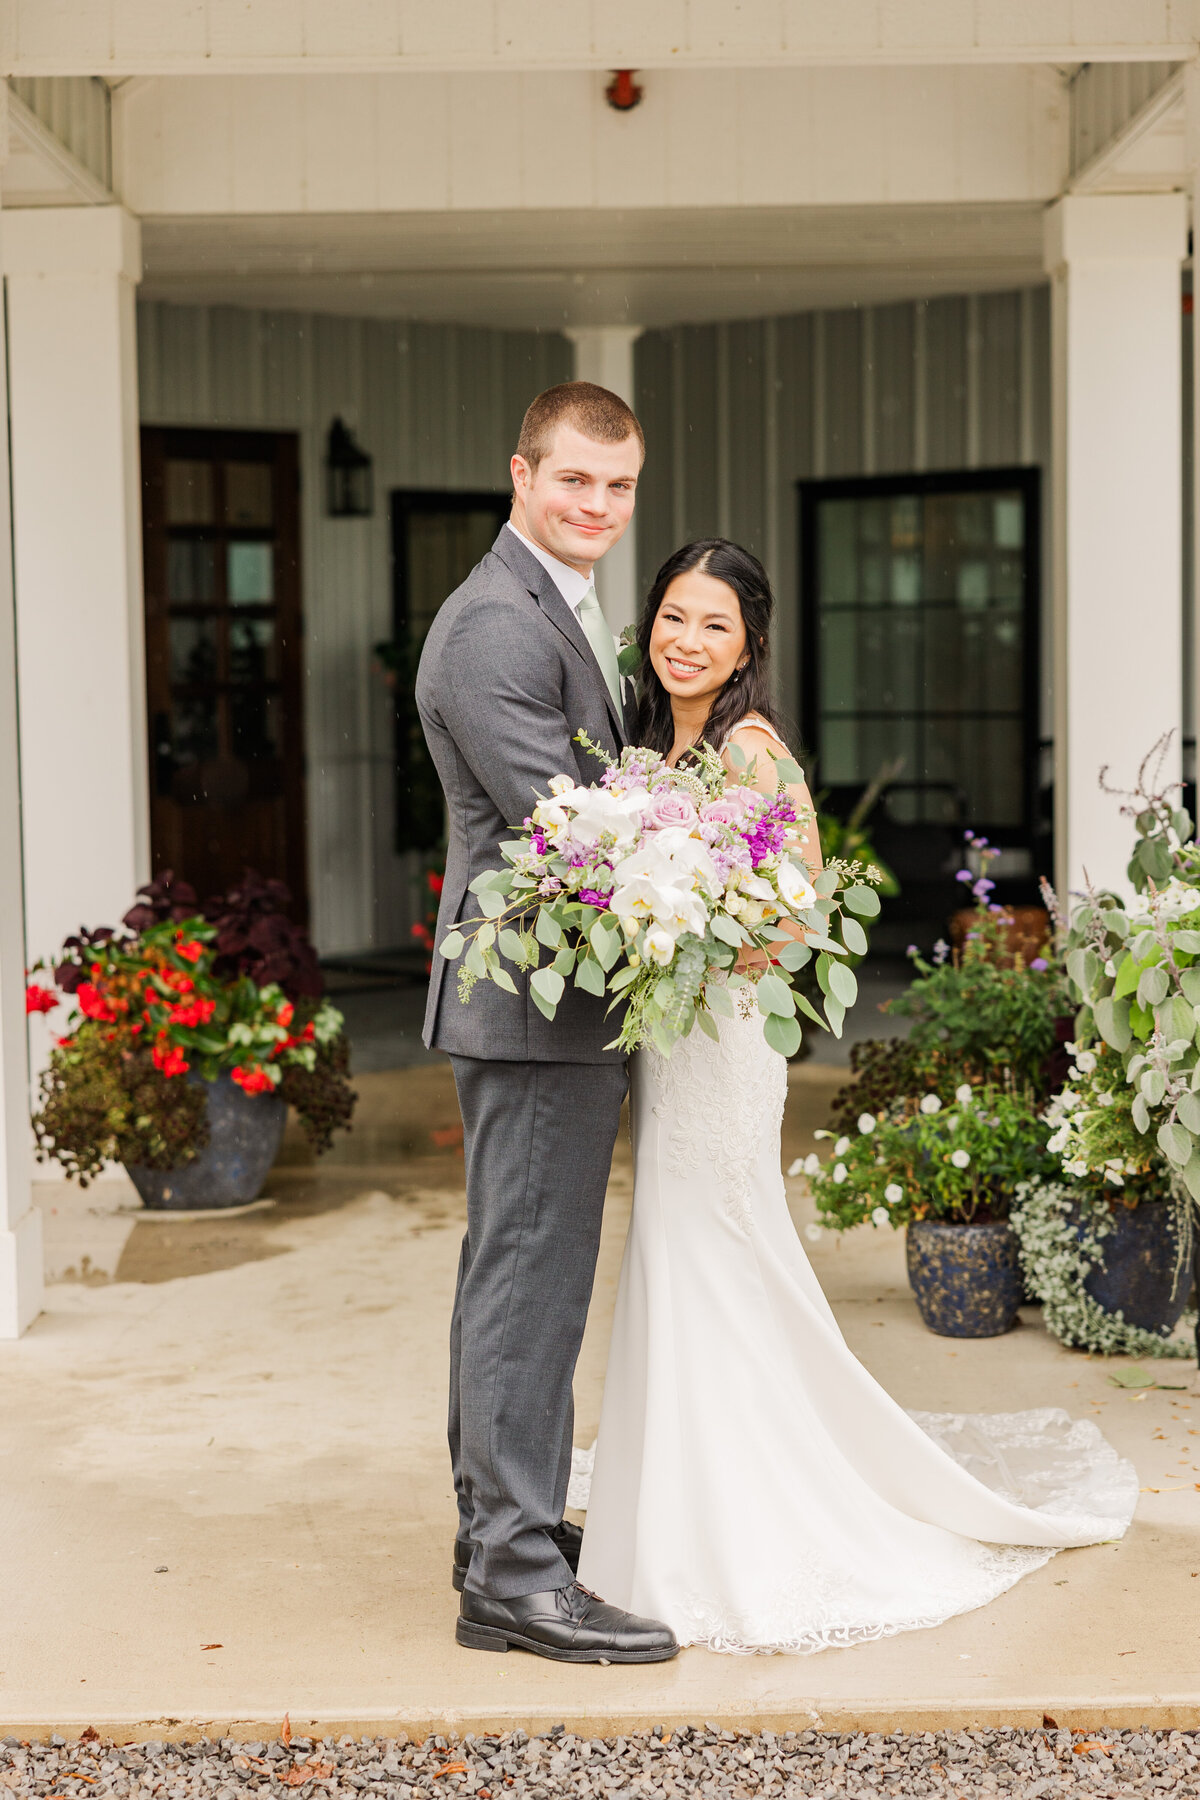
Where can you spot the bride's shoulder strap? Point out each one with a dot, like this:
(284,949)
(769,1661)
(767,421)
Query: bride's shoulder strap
(754,722)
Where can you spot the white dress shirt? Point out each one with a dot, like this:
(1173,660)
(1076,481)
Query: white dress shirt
(569,582)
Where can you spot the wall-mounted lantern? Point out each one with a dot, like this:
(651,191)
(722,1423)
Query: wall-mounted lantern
(349,476)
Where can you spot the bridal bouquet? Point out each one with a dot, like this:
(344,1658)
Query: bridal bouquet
(650,885)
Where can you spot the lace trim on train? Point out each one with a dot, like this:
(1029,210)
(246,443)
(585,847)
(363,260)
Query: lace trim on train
(1060,1467)
(695,1085)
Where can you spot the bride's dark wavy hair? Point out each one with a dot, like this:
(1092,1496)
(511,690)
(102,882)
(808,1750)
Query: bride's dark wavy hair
(748,691)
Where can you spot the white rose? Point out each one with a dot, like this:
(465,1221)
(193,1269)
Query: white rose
(866,1123)
(964,1094)
(841,1147)
(812,1164)
(839,1173)
(931,1104)
(880,1216)
(960,1159)
(660,945)
(795,889)
(893,1193)
(562,784)
(813,1233)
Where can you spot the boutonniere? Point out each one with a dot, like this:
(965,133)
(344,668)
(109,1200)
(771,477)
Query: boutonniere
(629,655)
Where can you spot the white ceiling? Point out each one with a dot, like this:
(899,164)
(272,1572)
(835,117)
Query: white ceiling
(550,269)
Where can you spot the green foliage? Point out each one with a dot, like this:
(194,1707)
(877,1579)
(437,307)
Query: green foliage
(884,1070)
(103,1103)
(958,1160)
(985,1010)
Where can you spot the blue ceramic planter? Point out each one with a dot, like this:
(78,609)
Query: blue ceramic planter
(966,1278)
(1146,1274)
(245,1132)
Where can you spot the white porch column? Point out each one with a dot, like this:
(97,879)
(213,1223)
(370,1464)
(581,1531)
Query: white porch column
(20,1220)
(604,354)
(1117,481)
(70,274)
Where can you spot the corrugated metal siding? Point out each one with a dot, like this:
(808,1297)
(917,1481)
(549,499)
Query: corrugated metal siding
(437,407)
(76,110)
(1105,96)
(736,415)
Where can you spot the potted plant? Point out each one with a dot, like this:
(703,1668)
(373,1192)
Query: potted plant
(190,1034)
(947,1169)
(1106,1245)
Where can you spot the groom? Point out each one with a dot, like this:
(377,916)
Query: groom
(518,660)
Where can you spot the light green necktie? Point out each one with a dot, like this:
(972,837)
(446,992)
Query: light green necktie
(595,629)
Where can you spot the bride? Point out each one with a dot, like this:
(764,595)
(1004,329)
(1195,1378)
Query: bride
(753,1486)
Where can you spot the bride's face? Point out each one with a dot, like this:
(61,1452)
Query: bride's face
(698,638)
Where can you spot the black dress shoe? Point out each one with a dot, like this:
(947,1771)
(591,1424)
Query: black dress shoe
(565,1537)
(568,1624)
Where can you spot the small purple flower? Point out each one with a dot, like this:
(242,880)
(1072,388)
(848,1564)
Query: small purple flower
(538,840)
(912,951)
(1039,963)
(941,951)
(963,875)
(592,897)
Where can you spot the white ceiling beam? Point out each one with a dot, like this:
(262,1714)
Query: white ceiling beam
(40,170)
(125,37)
(1147,154)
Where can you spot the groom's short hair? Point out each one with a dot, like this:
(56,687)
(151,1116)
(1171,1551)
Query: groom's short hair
(598,414)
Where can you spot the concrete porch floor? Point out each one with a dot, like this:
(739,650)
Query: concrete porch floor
(226,1495)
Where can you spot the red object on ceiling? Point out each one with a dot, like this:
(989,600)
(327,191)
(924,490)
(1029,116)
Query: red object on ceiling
(623,92)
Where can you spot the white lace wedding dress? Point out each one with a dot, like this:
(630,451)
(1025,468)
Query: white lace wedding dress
(753,1486)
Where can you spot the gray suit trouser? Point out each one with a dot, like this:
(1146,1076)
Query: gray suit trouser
(538,1138)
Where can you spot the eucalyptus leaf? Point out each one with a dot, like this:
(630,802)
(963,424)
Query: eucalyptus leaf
(835,1012)
(547,985)
(564,962)
(805,1005)
(843,984)
(473,960)
(862,900)
(718,999)
(794,955)
(492,904)
(547,930)
(605,940)
(727,929)
(826,883)
(451,945)
(589,975)
(503,979)
(775,996)
(782,1034)
(853,936)
(510,944)
(787,770)
(709,1026)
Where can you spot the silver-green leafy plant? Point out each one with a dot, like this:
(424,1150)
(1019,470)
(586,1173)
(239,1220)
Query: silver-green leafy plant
(1061,1230)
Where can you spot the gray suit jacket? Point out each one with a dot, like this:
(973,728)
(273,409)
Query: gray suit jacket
(506,679)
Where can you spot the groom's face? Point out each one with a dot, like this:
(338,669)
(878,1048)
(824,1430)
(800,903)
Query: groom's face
(579,499)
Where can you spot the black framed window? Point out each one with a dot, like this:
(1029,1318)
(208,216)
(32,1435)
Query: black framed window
(920,646)
(437,538)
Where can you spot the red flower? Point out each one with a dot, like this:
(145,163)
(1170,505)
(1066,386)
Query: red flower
(192,951)
(92,1003)
(252,1081)
(286,1014)
(309,1033)
(436,882)
(170,1059)
(40,999)
(193,1013)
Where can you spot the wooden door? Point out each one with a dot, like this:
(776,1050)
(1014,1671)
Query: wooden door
(221,523)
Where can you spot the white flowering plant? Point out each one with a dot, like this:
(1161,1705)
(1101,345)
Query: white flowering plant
(957,1159)
(1092,1131)
(652,885)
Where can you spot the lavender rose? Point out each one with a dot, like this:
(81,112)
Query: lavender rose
(670,809)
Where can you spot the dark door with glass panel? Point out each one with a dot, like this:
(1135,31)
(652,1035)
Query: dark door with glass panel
(920,654)
(437,538)
(223,656)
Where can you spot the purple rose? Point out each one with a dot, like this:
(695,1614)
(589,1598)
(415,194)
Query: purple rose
(670,808)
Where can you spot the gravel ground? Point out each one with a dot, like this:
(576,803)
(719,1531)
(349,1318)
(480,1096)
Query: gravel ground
(1027,1764)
